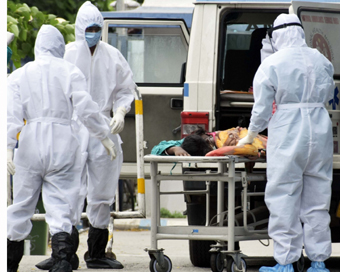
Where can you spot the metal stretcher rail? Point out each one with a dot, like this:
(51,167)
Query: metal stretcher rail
(225,236)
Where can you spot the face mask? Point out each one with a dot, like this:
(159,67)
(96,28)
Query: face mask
(92,38)
(9,54)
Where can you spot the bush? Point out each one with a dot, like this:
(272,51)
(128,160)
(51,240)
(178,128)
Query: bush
(24,22)
(165,213)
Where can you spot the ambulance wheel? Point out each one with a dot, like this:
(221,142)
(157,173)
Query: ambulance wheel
(231,265)
(155,267)
(199,252)
(216,262)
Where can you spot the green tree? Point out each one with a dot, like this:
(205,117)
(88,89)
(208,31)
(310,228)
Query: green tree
(24,22)
(67,8)
(25,17)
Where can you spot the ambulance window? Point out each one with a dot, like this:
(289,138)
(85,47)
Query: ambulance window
(242,41)
(155,53)
(322,32)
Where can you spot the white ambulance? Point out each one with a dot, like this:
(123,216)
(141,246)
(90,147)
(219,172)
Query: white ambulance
(206,82)
(224,54)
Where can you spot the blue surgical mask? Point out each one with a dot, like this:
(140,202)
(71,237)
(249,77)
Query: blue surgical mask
(92,38)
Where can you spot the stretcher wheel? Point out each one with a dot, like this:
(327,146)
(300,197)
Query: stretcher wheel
(231,265)
(155,267)
(216,262)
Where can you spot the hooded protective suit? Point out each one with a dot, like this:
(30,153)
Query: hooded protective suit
(300,143)
(45,93)
(110,83)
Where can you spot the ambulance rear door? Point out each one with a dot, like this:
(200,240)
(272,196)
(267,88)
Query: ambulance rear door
(156,50)
(321,23)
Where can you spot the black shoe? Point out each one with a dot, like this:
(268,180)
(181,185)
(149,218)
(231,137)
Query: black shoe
(95,258)
(62,251)
(61,266)
(48,263)
(103,263)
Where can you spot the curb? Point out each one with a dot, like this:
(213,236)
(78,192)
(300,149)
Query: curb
(145,223)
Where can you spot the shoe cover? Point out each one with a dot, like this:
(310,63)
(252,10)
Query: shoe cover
(318,267)
(61,266)
(50,262)
(278,268)
(104,263)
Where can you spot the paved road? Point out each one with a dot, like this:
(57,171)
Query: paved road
(129,247)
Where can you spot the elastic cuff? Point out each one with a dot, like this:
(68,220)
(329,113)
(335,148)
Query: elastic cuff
(121,110)
(252,133)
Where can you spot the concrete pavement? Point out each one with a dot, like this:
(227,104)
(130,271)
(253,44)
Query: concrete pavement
(132,236)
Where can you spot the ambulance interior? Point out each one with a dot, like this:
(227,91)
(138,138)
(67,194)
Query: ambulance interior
(239,57)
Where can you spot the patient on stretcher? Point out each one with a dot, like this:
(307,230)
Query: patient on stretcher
(219,143)
(226,141)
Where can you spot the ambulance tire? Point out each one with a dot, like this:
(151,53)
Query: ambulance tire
(199,252)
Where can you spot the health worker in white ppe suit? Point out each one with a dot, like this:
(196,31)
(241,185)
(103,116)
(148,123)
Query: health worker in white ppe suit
(300,145)
(45,93)
(110,83)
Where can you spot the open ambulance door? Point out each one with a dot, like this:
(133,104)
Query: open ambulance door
(156,51)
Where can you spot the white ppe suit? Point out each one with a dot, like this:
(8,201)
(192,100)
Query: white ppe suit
(45,93)
(110,83)
(300,143)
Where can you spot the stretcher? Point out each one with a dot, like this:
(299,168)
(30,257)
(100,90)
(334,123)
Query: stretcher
(223,253)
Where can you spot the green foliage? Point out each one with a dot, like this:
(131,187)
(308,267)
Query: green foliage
(24,22)
(165,213)
(67,8)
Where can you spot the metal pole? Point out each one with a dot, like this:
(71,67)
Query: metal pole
(154,207)
(231,205)
(140,152)
(220,195)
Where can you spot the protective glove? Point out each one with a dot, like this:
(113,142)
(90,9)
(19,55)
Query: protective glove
(110,148)
(10,164)
(248,139)
(117,121)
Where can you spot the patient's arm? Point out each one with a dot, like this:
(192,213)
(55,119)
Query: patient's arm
(177,151)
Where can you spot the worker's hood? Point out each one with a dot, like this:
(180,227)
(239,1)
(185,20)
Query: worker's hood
(49,42)
(87,15)
(290,36)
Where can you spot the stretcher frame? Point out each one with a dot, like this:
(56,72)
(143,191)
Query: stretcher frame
(226,236)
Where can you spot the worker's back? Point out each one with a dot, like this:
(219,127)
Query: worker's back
(45,93)
(300,75)
(43,99)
